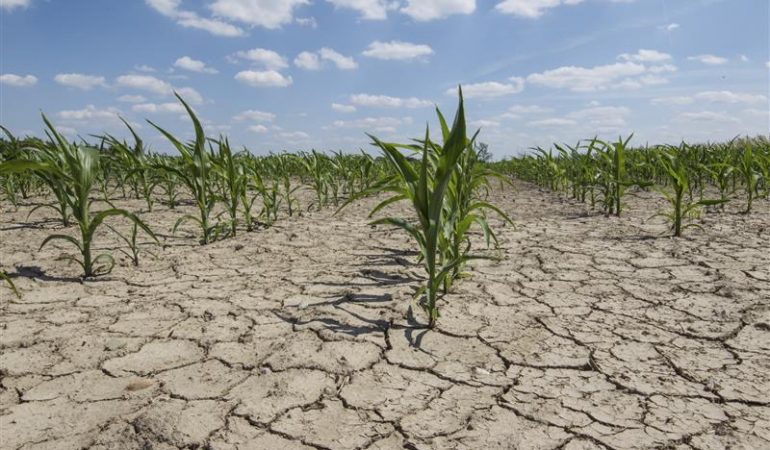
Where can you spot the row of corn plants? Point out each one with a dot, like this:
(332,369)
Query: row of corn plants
(687,176)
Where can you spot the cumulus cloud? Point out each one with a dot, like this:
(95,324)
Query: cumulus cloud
(132,99)
(672,26)
(145,83)
(18,80)
(154,108)
(194,65)
(341,61)
(254,115)
(711,60)
(644,55)
(263,78)
(384,101)
(713,97)
(258,129)
(490,89)
(315,60)
(397,50)
(10,5)
(374,123)
(707,117)
(633,73)
(308,61)
(343,108)
(554,122)
(268,58)
(270,14)
(80,81)
(424,10)
(88,114)
(369,9)
(190,19)
(531,9)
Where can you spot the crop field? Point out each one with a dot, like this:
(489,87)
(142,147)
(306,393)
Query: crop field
(416,296)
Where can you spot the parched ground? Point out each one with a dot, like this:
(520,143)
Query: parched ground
(589,333)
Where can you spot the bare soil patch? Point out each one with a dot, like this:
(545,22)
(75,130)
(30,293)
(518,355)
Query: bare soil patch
(589,333)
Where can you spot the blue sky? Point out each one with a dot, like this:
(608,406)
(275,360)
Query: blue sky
(298,74)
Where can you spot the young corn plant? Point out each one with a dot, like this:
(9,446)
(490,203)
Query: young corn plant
(195,172)
(675,164)
(134,246)
(75,177)
(425,185)
(233,181)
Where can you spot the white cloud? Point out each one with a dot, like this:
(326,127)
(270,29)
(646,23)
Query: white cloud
(80,81)
(270,14)
(730,97)
(145,83)
(343,108)
(190,19)
(424,10)
(384,101)
(258,129)
(483,123)
(89,113)
(254,116)
(308,61)
(767,64)
(190,95)
(144,68)
(341,61)
(10,5)
(531,9)
(516,111)
(369,9)
(132,99)
(679,100)
(601,118)
(267,58)
(554,122)
(397,50)
(154,108)
(672,26)
(294,135)
(266,78)
(644,55)
(744,58)
(711,60)
(307,22)
(374,123)
(584,79)
(712,97)
(314,61)
(193,65)
(18,80)
(490,89)
(215,27)
(706,116)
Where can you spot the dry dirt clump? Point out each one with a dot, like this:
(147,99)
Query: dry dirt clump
(588,333)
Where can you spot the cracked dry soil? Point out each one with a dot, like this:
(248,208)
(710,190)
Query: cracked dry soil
(590,333)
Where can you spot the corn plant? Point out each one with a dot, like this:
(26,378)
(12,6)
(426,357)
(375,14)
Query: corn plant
(133,245)
(746,167)
(426,185)
(233,179)
(74,172)
(674,161)
(195,172)
(135,164)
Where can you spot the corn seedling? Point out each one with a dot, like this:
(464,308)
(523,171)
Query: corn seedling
(74,174)
(674,162)
(195,172)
